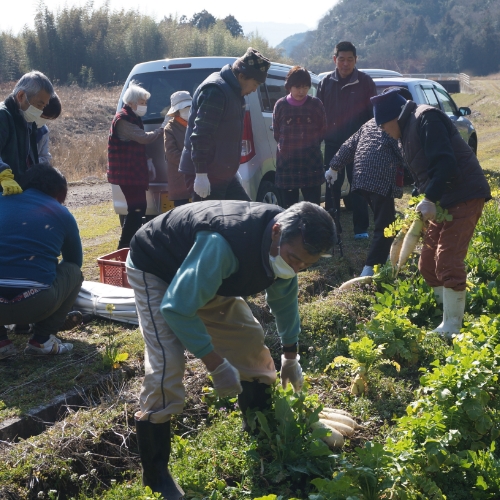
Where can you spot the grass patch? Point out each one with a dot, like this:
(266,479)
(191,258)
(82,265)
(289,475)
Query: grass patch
(100,231)
(30,381)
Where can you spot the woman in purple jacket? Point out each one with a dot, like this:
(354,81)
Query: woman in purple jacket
(299,124)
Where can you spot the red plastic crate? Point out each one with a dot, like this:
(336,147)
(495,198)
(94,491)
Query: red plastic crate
(112,270)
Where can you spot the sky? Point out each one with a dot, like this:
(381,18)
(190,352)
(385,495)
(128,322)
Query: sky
(13,17)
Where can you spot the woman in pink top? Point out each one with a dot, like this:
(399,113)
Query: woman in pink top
(299,123)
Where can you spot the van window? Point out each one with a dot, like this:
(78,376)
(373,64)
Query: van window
(381,88)
(447,104)
(430,96)
(274,89)
(162,84)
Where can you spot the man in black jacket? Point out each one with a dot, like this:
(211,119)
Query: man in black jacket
(447,171)
(346,93)
(20,114)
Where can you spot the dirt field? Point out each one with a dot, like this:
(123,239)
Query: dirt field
(88,192)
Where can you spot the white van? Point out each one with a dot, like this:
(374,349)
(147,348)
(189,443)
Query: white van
(258,152)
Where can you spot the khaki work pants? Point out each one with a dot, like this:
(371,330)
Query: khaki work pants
(445,246)
(236,336)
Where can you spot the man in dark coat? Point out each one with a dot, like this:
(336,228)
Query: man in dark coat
(19,115)
(212,148)
(447,171)
(189,269)
(345,93)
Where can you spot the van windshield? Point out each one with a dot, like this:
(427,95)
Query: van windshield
(162,84)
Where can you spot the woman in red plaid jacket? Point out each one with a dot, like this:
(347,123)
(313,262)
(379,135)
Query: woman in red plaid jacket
(128,164)
(299,124)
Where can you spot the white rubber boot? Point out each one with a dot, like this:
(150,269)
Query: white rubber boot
(438,294)
(453,312)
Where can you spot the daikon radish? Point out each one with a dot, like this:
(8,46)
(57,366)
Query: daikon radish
(334,440)
(396,248)
(337,417)
(410,242)
(345,430)
(336,410)
(360,280)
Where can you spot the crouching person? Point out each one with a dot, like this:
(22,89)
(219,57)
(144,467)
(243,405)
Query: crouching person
(36,229)
(189,269)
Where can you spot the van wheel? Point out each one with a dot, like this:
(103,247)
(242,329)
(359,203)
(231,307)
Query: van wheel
(473,144)
(269,193)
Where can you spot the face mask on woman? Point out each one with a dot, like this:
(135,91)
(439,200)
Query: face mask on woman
(32,114)
(141,110)
(184,113)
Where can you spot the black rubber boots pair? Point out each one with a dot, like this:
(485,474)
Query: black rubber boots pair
(154,443)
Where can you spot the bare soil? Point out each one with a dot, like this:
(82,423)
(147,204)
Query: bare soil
(90,191)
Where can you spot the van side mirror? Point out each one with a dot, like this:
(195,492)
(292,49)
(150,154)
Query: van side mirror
(464,111)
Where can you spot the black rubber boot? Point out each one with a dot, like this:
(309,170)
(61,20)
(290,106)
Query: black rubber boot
(154,450)
(253,397)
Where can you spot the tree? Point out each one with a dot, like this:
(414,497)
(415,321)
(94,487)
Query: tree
(233,26)
(203,20)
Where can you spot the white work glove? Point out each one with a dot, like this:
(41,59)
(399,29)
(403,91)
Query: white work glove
(291,371)
(331,176)
(427,209)
(151,170)
(202,185)
(226,380)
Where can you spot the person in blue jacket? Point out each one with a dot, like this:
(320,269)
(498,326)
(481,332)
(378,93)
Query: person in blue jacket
(189,269)
(34,287)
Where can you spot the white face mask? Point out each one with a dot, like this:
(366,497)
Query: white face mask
(184,113)
(280,268)
(32,114)
(40,122)
(141,110)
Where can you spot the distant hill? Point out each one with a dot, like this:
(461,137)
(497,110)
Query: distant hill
(410,36)
(290,42)
(274,33)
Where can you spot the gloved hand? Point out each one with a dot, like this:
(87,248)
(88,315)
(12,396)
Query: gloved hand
(151,170)
(331,176)
(202,185)
(427,209)
(226,379)
(9,185)
(291,371)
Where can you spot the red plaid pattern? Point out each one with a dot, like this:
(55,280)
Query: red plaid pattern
(127,162)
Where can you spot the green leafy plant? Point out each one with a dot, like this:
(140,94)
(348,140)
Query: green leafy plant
(112,358)
(286,448)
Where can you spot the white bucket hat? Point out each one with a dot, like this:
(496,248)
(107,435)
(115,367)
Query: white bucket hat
(179,100)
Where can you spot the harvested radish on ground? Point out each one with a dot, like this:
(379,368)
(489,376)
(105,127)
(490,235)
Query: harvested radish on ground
(345,430)
(335,439)
(410,241)
(360,280)
(342,418)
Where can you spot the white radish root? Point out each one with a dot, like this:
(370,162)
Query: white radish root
(336,410)
(334,440)
(337,417)
(360,280)
(345,430)
(410,242)
(396,248)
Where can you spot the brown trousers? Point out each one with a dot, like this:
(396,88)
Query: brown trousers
(445,246)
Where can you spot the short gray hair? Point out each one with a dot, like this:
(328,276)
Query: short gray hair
(134,93)
(312,223)
(31,83)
